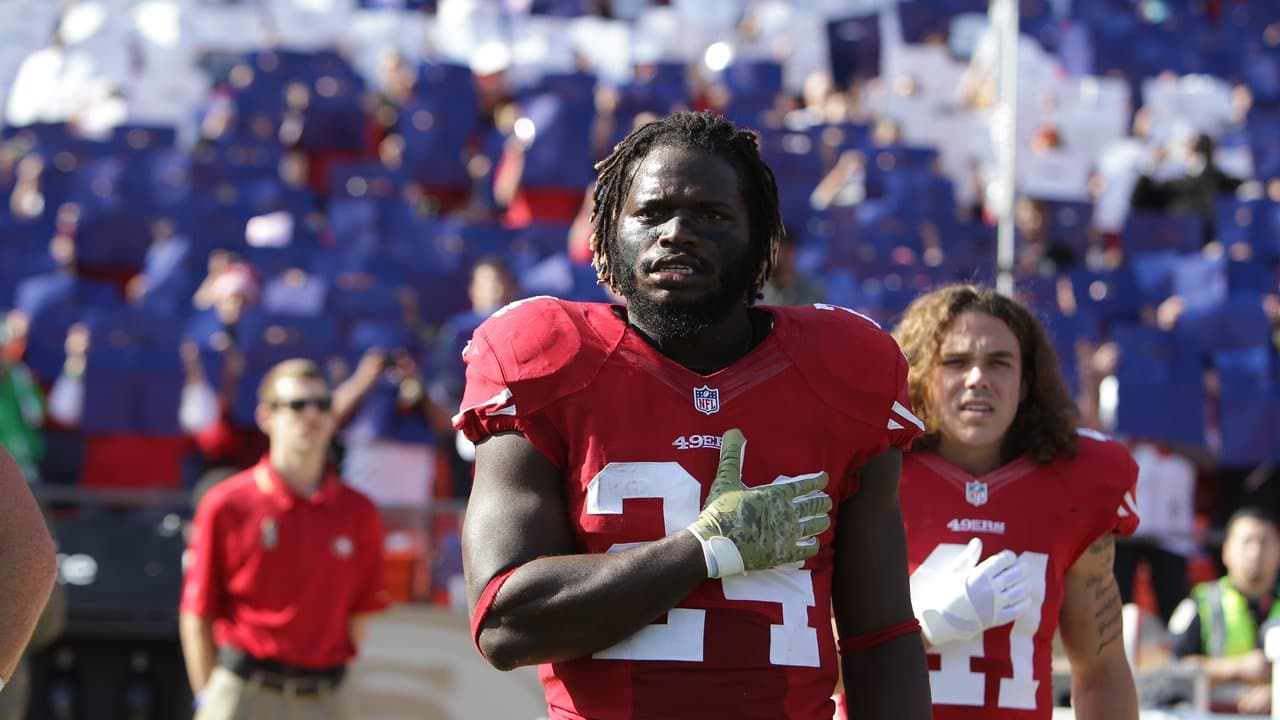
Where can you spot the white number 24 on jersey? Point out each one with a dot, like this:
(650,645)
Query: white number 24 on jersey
(793,642)
(954,683)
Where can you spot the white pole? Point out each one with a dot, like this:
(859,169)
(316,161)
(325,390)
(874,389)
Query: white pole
(1000,193)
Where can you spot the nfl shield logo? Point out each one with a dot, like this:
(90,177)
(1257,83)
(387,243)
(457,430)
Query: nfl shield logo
(976,492)
(706,400)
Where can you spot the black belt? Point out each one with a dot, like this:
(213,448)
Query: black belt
(278,676)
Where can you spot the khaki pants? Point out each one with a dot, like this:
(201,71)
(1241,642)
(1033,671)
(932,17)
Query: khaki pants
(230,697)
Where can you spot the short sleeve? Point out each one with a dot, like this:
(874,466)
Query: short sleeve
(1105,476)
(1126,511)
(202,562)
(490,404)
(902,426)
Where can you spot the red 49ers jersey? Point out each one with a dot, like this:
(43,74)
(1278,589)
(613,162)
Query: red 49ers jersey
(1049,515)
(637,436)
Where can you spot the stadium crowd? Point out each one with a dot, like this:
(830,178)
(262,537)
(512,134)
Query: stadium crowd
(194,191)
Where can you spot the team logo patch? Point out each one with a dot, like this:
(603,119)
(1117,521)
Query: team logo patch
(975,492)
(342,546)
(706,400)
(268,533)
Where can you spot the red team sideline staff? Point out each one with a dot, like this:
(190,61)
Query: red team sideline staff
(615,510)
(284,568)
(1003,474)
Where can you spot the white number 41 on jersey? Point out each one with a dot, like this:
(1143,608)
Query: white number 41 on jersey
(954,683)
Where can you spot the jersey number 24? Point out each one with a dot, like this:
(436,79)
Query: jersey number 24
(793,642)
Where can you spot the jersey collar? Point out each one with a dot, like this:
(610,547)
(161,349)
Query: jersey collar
(284,497)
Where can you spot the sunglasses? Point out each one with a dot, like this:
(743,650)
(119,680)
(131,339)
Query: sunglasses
(322,403)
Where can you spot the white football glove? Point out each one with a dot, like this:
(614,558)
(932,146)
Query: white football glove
(967,598)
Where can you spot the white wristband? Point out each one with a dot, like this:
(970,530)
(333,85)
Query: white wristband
(721,555)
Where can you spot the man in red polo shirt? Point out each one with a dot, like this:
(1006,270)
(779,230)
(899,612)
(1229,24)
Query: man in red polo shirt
(283,568)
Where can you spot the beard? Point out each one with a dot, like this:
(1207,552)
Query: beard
(684,319)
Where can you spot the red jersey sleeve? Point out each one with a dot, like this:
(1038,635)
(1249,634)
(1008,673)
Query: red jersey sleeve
(371,595)
(203,560)
(859,368)
(903,426)
(1108,476)
(522,360)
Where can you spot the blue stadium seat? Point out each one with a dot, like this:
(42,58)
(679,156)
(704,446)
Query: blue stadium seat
(1237,322)
(753,79)
(171,276)
(267,339)
(854,44)
(558,157)
(1107,297)
(115,240)
(1156,232)
(133,377)
(1161,390)
(144,138)
(531,244)
(1247,408)
(54,302)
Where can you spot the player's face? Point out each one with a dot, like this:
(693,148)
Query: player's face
(973,393)
(301,418)
(683,242)
(1251,553)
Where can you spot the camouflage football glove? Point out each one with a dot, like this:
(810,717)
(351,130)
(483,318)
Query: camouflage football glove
(743,529)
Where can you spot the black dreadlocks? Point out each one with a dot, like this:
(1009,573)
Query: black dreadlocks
(704,131)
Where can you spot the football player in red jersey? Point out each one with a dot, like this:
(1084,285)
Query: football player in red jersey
(622,534)
(1004,473)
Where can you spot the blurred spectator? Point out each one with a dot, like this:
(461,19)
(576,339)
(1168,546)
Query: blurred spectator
(540,138)
(1166,537)
(166,279)
(844,185)
(231,287)
(21,403)
(390,453)
(27,201)
(1039,252)
(788,285)
(492,287)
(1219,628)
(581,230)
(1193,192)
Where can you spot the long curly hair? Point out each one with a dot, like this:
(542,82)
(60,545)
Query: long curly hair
(1045,424)
(704,131)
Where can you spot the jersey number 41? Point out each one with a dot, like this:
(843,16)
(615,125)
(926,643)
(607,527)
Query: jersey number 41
(955,683)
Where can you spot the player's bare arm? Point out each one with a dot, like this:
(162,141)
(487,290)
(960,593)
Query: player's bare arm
(870,593)
(27,564)
(1101,681)
(557,605)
